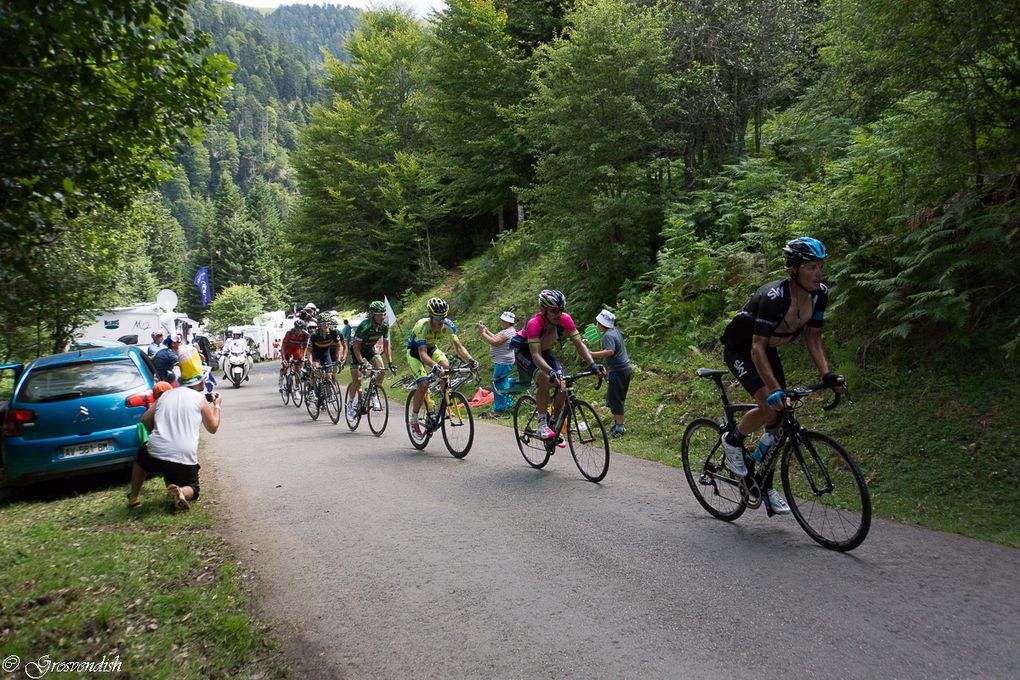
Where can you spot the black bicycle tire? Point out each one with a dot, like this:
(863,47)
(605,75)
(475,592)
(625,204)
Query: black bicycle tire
(541,457)
(701,465)
(333,395)
(580,405)
(407,424)
(297,397)
(309,394)
(357,412)
(861,533)
(454,397)
(283,387)
(380,393)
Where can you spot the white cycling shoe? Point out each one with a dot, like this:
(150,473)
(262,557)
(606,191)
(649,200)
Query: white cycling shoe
(734,458)
(776,503)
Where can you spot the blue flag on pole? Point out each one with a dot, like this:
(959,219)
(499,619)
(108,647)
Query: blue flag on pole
(202,281)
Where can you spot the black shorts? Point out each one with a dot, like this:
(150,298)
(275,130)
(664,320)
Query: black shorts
(173,473)
(522,357)
(322,356)
(616,391)
(742,366)
(353,363)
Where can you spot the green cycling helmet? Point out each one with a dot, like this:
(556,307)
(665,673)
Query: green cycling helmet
(377,307)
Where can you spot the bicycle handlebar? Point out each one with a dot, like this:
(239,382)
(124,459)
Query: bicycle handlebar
(568,379)
(799,393)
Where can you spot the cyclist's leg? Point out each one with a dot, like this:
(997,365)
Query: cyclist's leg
(421,379)
(561,397)
(743,368)
(355,379)
(522,357)
(378,363)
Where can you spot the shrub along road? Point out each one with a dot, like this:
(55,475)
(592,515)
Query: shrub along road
(377,560)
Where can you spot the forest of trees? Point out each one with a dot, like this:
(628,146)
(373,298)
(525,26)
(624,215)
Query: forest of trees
(660,153)
(653,156)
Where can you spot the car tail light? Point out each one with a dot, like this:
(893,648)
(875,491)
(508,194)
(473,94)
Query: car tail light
(144,399)
(15,418)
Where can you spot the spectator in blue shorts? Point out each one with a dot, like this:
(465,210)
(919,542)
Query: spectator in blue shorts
(617,363)
(502,362)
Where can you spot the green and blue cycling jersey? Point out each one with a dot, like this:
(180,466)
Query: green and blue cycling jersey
(422,334)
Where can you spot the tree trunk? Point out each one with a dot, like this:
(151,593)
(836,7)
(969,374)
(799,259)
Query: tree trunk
(520,211)
(501,225)
(757,129)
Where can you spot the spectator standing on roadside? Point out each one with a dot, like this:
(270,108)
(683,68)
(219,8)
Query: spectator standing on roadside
(165,359)
(502,362)
(156,345)
(175,421)
(617,363)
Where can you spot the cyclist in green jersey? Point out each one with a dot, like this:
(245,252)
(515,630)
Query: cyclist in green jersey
(423,354)
(363,352)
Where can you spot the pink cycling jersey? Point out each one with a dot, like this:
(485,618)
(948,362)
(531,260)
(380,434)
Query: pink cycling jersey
(532,331)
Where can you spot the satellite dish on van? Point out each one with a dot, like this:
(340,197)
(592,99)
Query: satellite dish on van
(166,299)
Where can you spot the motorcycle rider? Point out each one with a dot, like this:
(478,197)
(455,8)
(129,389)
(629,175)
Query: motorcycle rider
(236,345)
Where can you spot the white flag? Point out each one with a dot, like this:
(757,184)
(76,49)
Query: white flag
(391,318)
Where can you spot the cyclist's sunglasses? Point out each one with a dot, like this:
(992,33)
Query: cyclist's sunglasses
(554,310)
(437,318)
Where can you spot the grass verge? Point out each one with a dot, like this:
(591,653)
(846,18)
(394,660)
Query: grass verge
(936,440)
(83,578)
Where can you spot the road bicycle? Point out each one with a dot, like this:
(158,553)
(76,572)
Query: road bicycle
(577,421)
(446,410)
(369,401)
(320,391)
(821,481)
(289,382)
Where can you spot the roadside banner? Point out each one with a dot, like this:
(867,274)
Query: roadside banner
(391,318)
(202,281)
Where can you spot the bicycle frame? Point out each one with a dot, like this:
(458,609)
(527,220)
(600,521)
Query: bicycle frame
(790,434)
(435,417)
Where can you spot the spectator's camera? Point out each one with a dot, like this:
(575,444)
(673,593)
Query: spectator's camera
(211,396)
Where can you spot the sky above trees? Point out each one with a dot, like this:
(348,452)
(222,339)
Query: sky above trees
(421,7)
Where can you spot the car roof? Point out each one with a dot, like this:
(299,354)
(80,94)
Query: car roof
(94,354)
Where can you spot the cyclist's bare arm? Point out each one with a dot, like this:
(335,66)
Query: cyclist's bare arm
(816,348)
(759,345)
(388,349)
(462,351)
(583,350)
(356,350)
(424,358)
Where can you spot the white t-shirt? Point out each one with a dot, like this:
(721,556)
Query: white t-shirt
(503,354)
(236,345)
(178,422)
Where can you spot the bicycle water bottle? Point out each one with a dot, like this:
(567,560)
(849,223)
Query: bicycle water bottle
(764,444)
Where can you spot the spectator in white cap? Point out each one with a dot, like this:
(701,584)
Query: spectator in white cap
(502,362)
(617,363)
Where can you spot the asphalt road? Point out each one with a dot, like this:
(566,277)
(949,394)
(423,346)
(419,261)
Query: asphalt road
(379,561)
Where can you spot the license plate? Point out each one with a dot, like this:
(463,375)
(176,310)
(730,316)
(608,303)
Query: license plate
(89,449)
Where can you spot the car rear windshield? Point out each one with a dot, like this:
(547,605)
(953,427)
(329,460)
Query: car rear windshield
(73,381)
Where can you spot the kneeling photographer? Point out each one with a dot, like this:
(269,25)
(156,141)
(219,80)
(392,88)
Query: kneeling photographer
(175,421)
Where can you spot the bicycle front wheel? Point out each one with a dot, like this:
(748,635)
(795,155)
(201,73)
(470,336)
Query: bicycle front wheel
(458,425)
(417,431)
(826,491)
(378,410)
(533,448)
(715,487)
(283,385)
(333,401)
(297,387)
(353,412)
(312,396)
(588,442)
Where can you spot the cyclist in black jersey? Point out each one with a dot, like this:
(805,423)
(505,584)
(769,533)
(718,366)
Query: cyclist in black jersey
(778,313)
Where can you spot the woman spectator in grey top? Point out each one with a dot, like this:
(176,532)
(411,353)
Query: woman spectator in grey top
(502,362)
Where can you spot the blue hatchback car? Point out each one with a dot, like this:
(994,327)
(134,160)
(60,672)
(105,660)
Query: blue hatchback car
(75,413)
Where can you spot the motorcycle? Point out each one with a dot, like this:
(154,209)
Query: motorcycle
(236,366)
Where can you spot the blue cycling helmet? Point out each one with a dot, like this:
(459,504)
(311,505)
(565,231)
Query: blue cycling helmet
(803,249)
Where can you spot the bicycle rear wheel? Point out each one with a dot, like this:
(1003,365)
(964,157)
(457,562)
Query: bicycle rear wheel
(333,401)
(283,385)
(710,480)
(588,442)
(378,410)
(458,425)
(418,440)
(826,491)
(312,391)
(534,449)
